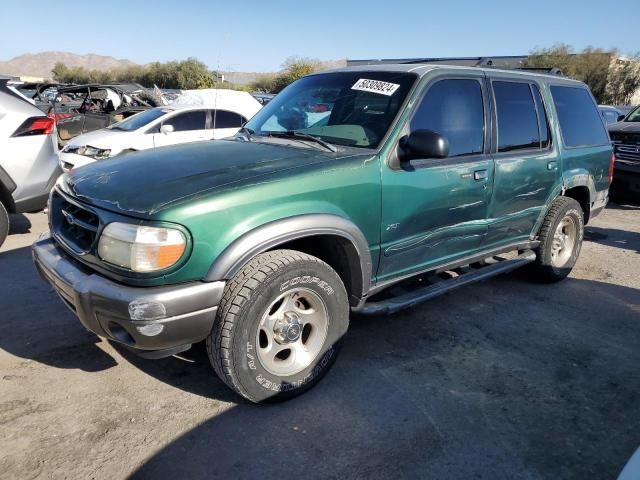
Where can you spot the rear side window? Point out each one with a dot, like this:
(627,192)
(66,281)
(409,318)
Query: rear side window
(188,121)
(454,109)
(517,119)
(226,119)
(579,119)
(543,123)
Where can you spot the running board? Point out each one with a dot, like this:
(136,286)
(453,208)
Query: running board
(412,298)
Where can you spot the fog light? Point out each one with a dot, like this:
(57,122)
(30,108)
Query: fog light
(145,310)
(151,330)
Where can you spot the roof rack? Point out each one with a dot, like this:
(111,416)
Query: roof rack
(506,62)
(547,70)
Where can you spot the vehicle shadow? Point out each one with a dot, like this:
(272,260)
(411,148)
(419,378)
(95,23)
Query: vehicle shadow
(189,371)
(36,325)
(19,224)
(613,237)
(627,205)
(487,382)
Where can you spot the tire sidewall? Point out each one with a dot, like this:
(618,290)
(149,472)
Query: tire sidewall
(575,212)
(4,224)
(252,376)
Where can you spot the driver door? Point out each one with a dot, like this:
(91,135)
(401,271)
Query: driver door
(434,210)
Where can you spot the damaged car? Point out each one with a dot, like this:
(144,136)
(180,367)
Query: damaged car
(80,109)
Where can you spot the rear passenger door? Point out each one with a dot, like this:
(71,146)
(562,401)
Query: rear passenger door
(526,158)
(225,123)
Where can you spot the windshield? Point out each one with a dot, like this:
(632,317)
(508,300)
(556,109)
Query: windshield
(139,120)
(346,108)
(634,116)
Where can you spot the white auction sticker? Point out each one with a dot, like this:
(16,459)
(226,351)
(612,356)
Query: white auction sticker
(375,86)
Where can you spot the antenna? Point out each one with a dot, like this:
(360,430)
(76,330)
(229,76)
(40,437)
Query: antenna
(215,89)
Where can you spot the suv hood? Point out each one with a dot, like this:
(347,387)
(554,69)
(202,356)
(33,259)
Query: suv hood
(143,183)
(625,127)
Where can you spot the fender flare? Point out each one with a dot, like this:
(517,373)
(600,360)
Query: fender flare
(7,187)
(270,235)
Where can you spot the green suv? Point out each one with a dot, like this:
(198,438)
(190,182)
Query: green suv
(345,184)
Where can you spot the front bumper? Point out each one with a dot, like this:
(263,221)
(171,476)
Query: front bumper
(153,321)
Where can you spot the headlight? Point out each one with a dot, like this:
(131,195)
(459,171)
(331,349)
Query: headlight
(141,248)
(89,151)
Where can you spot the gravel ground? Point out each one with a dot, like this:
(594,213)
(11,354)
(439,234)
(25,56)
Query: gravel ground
(503,379)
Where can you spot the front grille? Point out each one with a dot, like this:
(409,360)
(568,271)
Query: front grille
(74,225)
(626,151)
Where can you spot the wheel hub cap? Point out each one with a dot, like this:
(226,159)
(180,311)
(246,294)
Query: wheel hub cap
(564,241)
(292,332)
(288,329)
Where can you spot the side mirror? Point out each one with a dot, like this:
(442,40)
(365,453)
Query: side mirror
(621,117)
(166,129)
(423,144)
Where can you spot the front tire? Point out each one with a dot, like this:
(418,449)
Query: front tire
(279,326)
(560,238)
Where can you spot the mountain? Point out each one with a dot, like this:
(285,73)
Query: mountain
(41,64)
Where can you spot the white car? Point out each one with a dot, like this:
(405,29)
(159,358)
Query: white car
(222,116)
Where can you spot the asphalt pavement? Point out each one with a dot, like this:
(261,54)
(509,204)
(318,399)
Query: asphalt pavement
(503,379)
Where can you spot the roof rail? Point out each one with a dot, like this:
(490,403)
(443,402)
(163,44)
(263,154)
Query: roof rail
(547,70)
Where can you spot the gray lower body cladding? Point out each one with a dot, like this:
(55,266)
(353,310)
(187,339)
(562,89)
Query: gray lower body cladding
(152,321)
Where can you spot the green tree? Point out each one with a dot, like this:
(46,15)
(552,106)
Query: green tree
(264,84)
(624,80)
(292,69)
(590,66)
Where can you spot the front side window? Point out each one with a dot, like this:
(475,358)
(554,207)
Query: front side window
(517,119)
(139,120)
(186,121)
(454,109)
(578,115)
(353,108)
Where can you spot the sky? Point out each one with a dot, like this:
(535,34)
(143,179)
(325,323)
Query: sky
(259,36)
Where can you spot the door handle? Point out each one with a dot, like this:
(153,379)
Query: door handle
(552,166)
(480,175)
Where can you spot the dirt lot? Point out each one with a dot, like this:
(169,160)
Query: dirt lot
(505,379)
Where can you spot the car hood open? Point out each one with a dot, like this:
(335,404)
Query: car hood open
(143,183)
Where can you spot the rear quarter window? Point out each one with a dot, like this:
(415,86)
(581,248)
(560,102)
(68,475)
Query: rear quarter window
(578,115)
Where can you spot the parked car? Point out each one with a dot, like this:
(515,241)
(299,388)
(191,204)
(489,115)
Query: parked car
(261,244)
(80,109)
(162,126)
(610,114)
(625,109)
(625,136)
(28,156)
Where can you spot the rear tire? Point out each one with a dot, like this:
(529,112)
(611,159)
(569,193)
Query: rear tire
(4,224)
(279,326)
(560,238)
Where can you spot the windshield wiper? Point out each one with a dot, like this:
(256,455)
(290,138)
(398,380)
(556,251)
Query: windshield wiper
(302,136)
